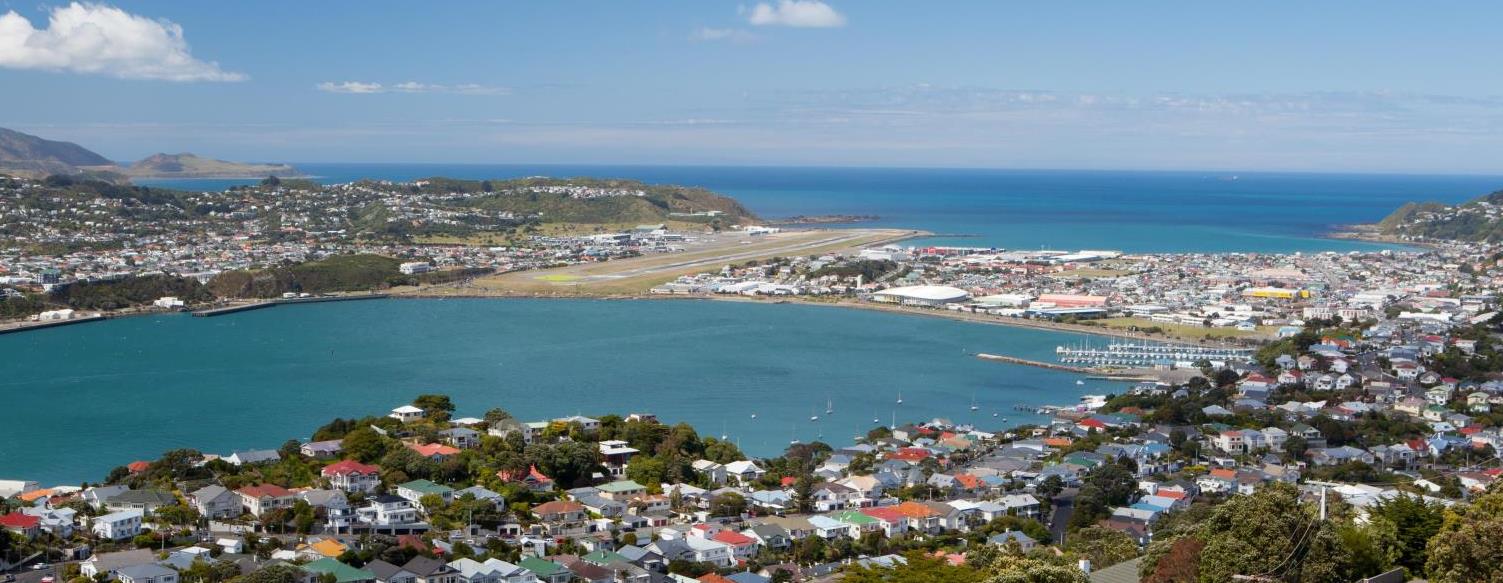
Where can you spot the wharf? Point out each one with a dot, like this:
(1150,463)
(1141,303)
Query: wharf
(1092,373)
(25,326)
(211,312)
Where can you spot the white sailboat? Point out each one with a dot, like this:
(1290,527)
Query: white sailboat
(973,403)
(900,397)
(829,406)
(813,417)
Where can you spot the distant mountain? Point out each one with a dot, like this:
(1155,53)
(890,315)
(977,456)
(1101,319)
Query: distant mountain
(1479,219)
(187,165)
(30,156)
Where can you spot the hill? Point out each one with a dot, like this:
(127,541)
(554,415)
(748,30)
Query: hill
(30,156)
(1479,219)
(187,165)
(594,200)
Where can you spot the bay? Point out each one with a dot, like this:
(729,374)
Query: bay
(83,399)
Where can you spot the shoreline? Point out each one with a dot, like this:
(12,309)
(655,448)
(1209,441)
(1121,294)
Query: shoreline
(1368,233)
(968,317)
(953,315)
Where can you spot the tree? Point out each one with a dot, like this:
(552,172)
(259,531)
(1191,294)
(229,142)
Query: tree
(1103,546)
(1469,545)
(1416,521)
(303,517)
(436,407)
(496,416)
(364,444)
(1271,533)
(273,574)
(1051,486)
(728,504)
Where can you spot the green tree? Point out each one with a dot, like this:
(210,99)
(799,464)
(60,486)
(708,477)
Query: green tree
(303,517)
(1469,545)
(1103,546)
(364,444)
(1416,521)
(496,416)
(435,406)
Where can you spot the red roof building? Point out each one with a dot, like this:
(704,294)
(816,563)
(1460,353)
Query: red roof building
(347,467)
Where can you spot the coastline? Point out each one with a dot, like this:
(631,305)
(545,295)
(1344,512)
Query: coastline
(1369,233)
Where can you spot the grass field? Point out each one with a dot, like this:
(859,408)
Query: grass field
(1183,331)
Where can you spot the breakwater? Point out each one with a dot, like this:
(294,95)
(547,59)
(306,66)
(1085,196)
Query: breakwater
(211,312)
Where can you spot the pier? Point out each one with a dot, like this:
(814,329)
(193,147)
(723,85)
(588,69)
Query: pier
(1131,354)
(24,326)
(1091,372)
(211,312)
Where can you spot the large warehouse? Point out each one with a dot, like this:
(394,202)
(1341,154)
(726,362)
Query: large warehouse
(921,295)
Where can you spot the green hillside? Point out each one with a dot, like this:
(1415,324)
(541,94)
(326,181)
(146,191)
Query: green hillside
(1480,219)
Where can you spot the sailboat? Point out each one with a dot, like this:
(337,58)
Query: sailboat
(754,415)
(973,403)
(813,417)
(900,397)
(794,441)
(876,419)
(829,406)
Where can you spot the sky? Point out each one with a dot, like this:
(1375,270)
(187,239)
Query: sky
(1338,86)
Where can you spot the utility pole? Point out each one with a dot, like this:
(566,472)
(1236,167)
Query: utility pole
(1323,489)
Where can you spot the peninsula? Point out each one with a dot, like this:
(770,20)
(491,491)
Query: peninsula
(29,156)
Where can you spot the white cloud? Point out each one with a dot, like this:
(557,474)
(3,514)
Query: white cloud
(350,87)
(410,87)
(797,13)
(735,35)
(104,40)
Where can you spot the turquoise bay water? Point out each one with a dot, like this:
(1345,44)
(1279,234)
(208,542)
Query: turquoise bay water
(82,399)
(1132,211)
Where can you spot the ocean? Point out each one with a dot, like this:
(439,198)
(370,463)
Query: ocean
(1016,209)
(98,395)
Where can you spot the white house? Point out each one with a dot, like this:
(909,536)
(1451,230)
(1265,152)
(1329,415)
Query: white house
(491,571)
(117,525)
(406,413)
(215,501)
(744,471)
(352,476)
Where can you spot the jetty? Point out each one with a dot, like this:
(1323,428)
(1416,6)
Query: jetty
(220,311)
(38,325)
(1090,372)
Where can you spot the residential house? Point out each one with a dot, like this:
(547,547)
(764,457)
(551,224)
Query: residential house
(215,502)
(352,476)
(264,498)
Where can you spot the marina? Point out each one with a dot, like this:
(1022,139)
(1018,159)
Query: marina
(1136,354)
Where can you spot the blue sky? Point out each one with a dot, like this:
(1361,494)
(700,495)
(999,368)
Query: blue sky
(1329,86)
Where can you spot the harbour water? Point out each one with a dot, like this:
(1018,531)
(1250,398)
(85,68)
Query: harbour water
(1132,211)
(131,388)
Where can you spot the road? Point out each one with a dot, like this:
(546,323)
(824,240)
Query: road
(1064,508)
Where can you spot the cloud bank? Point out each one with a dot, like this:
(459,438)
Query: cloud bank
(795,13)
(97,39)
(361,87)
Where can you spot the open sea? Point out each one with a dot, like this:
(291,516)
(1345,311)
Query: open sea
(82,399)
(1018,209)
